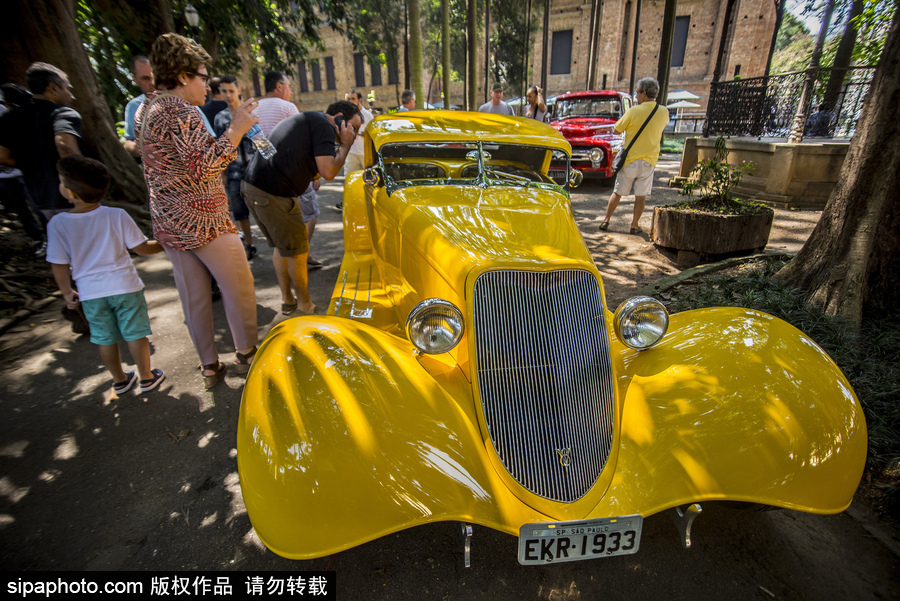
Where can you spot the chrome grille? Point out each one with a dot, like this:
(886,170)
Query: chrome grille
(544,377)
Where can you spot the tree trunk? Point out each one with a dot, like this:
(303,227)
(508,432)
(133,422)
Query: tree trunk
(45,31)
(472,53)
(664,64)
(487,55)
(545,47)
(779,18)
(445,52)
(849,265)
(812,73)
(842,57)
(415,51)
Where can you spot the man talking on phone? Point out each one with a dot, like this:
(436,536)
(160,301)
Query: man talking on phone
(305,150)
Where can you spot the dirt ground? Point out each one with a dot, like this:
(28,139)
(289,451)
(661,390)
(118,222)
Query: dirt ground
(149,481)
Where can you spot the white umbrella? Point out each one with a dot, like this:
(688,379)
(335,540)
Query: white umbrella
(682,94)
(682,104)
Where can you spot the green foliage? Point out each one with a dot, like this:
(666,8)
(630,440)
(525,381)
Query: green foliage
(870,358)
(794,45)
(792,29)
(375,27)
(512,34)
(873,25)
(278,33)
(431,36)
(716,176)
(110,46)
(672,146)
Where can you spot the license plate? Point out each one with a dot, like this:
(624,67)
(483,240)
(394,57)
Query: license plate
(557,174)
(554,542)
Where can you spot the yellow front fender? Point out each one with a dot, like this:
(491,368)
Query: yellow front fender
(346,434)
(737,405)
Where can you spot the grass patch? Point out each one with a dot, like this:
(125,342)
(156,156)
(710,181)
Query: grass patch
(672,146)
(869,358)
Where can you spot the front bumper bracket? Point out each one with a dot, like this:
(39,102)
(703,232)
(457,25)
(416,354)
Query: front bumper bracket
(683,517)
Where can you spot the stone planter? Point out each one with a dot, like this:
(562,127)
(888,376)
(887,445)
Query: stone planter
(703,237)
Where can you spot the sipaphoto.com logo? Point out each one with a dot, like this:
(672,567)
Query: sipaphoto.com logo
(62,586)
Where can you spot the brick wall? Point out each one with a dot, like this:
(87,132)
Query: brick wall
(754,24)
(747,50)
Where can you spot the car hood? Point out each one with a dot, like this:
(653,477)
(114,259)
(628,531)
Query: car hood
(582,127)
(458,228)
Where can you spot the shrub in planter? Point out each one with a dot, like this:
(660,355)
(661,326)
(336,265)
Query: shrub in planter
(715,222)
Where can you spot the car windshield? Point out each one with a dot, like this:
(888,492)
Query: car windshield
(466,163)
(609,108)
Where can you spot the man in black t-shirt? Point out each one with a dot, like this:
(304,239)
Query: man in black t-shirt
(305,145)
(35,136)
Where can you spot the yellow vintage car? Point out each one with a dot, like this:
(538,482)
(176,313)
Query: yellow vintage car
(469,369)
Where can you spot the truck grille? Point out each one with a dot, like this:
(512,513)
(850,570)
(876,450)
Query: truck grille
(544,377)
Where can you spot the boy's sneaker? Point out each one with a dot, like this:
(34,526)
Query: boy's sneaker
(151,383)
(250,250)
(123,387)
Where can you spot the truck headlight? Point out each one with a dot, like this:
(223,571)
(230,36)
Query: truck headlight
(435,326)
(596,155)
(641,322)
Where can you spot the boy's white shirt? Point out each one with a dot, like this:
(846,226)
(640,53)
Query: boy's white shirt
(95,244)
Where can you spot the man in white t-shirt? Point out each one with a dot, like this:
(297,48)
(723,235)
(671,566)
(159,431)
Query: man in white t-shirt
(277,105)
(495,104)
(356,157)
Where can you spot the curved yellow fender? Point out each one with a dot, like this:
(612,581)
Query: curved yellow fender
(346,434)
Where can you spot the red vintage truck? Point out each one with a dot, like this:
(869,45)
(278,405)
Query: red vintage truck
(586,120)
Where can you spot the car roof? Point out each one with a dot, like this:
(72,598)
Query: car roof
(589,94)
(454,126)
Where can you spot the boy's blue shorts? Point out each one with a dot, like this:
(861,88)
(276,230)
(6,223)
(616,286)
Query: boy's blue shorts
(117,317)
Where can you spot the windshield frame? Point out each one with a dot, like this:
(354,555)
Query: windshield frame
(486,176)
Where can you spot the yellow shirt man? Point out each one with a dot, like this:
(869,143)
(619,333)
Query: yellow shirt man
(637,173)
(646,148)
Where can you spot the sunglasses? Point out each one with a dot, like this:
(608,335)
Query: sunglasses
(204,76)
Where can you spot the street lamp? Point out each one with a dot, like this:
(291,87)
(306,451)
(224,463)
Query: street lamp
(193,18)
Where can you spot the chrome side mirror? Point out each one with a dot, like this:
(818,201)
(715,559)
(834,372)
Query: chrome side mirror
(373,176)
(575,177)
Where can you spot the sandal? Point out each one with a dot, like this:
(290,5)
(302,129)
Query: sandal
(288,308)
(604,226)
(155,379)
(636,231)
(211,381)
(245,359)
(123,387)
(313,312)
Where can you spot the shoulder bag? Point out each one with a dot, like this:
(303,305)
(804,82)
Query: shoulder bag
(619,161)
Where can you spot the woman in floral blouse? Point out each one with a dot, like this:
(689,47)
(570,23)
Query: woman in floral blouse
(183,166)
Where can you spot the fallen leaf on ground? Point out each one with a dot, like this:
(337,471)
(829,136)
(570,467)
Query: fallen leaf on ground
(180,436)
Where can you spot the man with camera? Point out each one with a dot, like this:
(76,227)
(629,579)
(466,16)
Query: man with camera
(305,145)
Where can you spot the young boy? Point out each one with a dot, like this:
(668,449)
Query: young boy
(93,240)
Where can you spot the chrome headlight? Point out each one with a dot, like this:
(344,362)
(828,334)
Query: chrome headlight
(435,326)
(596,155)
(641,322)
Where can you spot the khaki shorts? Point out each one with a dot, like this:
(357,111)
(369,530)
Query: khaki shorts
(280,219)
(638,174)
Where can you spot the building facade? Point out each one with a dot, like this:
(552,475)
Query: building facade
(698,31)
(699,26)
